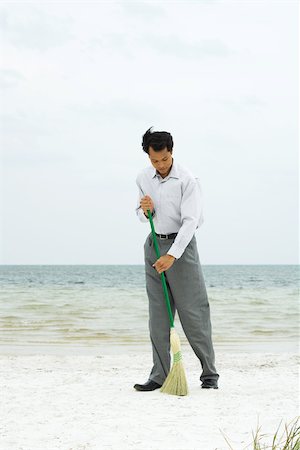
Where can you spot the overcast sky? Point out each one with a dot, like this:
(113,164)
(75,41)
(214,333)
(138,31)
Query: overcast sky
(82,81)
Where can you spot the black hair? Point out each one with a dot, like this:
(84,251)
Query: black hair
(158,140)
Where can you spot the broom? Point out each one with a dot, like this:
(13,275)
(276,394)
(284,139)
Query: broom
(175,383)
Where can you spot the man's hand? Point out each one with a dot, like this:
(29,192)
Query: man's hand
(147,203)
(164,263)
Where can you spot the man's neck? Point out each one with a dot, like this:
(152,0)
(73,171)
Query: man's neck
(164,176)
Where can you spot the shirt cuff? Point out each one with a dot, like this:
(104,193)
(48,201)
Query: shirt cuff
(153,214)
(175,251)
(142,216)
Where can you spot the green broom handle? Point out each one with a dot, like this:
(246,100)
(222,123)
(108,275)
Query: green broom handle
(162,275)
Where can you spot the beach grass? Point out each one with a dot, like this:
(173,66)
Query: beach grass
(288,439)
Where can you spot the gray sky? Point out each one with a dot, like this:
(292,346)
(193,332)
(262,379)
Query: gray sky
(80,84)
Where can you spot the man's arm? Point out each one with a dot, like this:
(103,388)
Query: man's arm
(191,217)
(142,215)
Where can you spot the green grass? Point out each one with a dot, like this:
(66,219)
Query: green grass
(288,439)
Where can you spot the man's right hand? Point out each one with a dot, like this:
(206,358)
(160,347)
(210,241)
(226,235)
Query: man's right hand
(147,203)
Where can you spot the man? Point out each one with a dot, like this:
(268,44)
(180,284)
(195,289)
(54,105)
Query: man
(173,195)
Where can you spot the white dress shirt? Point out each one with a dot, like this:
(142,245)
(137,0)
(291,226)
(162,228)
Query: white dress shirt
(177,202)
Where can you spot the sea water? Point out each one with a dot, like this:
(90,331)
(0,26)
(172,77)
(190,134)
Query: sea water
(96,308)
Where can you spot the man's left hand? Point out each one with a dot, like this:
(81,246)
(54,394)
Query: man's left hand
(164,263)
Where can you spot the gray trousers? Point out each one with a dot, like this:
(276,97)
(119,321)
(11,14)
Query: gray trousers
(188,296)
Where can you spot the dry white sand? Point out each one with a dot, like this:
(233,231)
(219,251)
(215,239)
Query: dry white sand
(88,402)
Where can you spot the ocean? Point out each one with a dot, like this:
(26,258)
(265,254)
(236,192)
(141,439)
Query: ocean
(84,308)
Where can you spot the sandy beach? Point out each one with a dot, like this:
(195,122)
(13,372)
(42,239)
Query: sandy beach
(83,402)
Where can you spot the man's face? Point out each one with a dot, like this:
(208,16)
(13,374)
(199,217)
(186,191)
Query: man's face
(162,161)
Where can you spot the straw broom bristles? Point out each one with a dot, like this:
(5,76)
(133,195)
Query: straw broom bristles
(175,383)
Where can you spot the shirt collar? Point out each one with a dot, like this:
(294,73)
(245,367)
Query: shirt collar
(173,172)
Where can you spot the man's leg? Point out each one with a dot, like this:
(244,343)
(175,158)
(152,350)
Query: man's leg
(188,289)
(159,324)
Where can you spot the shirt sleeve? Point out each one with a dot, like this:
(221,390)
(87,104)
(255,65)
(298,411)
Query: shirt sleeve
(191,217)
(138,209)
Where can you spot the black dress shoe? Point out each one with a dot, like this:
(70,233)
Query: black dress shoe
(149,386)
(209,384)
